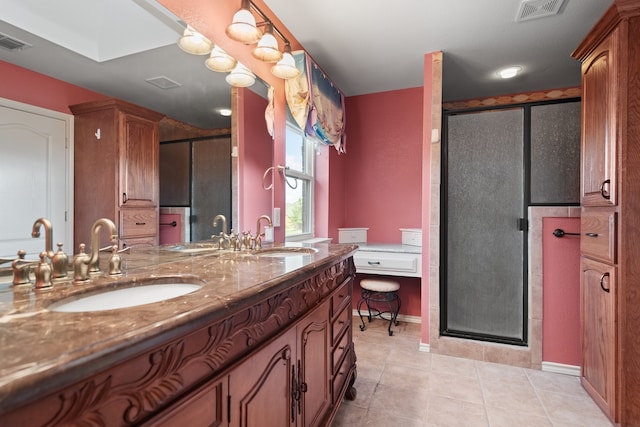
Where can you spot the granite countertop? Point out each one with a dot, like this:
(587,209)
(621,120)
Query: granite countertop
(390,247)
(36,344)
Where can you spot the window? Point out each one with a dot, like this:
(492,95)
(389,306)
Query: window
(299,184)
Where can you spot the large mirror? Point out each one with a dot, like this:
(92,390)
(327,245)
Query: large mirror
(133,56)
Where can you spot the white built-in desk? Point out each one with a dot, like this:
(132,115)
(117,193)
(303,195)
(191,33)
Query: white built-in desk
(389,259)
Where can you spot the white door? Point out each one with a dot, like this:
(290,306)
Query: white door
(34,178)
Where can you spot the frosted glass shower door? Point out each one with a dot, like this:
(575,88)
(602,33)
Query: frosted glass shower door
(483,285)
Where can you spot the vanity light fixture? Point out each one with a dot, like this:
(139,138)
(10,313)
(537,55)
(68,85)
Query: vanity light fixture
(194,43)
(240,76)
(220,61)
(509,72)
(267,49)
(243,27)
(286,67)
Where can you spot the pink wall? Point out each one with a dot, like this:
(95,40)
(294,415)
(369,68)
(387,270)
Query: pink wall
(561,292)
(336,198)
(255,157)
(382,179)
(22,85)
(377,183)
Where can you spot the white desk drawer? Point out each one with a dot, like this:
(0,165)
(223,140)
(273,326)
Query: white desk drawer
(389,263)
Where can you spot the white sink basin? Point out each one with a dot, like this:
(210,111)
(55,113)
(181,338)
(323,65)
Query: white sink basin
(113,299)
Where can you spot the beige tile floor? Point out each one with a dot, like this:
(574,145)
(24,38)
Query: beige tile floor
(397,385)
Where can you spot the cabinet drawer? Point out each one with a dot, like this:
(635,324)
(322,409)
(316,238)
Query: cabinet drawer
(340,323)
(339,349)
(340,377)
(391,263)
(341,298)
(138,222)
(598,239)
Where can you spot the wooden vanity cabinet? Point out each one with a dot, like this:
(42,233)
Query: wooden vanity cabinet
(610,224)
(283,357)
(116,156)
(287,382)
(598,297)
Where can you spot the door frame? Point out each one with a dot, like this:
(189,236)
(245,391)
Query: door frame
(66,237)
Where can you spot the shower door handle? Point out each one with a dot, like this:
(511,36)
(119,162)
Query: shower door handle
(523,224)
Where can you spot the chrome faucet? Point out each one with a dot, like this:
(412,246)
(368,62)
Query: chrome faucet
(59,259)
(259,236)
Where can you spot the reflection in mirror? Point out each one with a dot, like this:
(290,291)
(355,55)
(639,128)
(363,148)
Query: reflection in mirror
(194,101)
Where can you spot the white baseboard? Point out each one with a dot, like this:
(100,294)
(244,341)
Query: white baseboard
(561,368)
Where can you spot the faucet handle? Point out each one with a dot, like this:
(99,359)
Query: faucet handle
(81,265)
(43,272)
(115,261)
(21,269)
(59,263)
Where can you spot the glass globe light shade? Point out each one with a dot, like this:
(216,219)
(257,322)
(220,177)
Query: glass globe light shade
(194,43)
(286,67)
(267,49)
(220,61)
(240,76)
(243,26)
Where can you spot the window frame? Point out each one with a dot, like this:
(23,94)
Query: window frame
(294,177)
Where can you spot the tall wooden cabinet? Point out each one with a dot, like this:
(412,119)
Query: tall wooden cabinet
(116,170)
(610,223)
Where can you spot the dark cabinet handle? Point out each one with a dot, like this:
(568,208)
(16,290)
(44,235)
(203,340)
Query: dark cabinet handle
(605,192)
(373,262)
(124,198)
(141,223)
(602,282)
(170,224)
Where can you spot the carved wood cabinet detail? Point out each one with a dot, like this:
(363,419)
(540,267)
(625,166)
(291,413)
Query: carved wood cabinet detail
(272,361)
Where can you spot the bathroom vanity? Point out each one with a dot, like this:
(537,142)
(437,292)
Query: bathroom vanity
(264,339)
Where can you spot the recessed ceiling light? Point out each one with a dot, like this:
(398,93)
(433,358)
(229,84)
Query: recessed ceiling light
(509,72)
(226,112)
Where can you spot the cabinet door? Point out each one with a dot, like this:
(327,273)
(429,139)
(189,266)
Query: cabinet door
(260,388)
(205,407)
(599,126)
(598,295)
(139,157)
(314,364)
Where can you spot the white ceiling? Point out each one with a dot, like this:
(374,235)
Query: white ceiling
(365,46)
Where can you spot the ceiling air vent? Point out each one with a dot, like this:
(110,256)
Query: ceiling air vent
(163,82)
(11,43)
(534,9)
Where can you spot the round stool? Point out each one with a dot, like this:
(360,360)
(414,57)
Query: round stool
(382,300)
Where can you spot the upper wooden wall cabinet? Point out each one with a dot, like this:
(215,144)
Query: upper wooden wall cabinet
(610,284)
(116,148)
